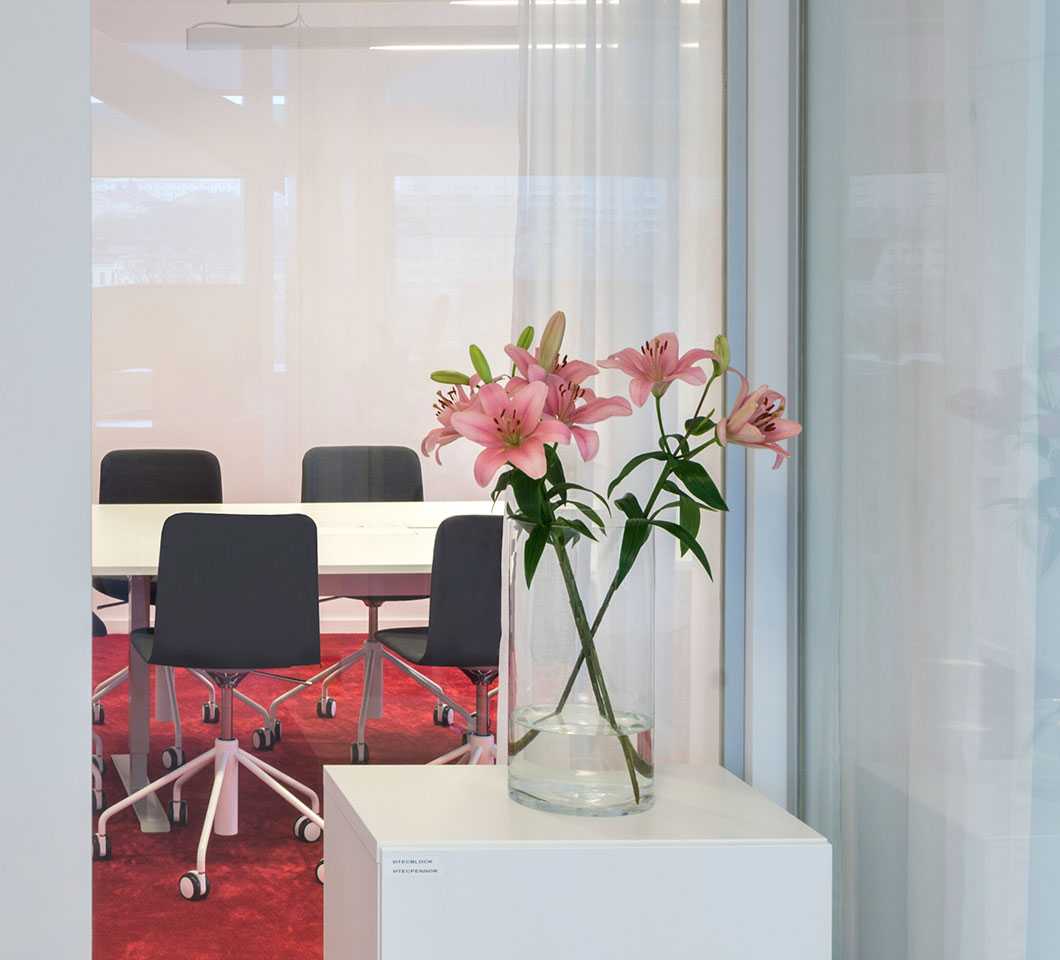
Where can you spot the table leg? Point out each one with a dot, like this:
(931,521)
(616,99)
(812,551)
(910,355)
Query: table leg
(132,768)
(375,693)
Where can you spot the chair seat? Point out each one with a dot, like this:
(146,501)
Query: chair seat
(408,642)
(143,642)
(369,599)
(117,588)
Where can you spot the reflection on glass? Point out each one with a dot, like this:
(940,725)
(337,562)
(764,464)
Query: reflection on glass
(166,231)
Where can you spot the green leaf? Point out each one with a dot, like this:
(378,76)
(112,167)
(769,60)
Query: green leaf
(503,481)
(688,517)
(554,471)
(630,506)
(671,487)
(665,506)
(633,538)
(682,442)
(562,488)
(587,511)
(632,465)
(574,523)
(535,545)
(528,495)
(479,362)
(687,540)
(699,483)
(697,426)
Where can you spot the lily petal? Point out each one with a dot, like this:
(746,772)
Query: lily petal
(476,426)
(529,457)
(488,463)
(588,442)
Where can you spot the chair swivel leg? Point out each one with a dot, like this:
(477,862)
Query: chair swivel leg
(211,713)
(481,745)
(172,757)
(359,749)
(102,689)
(194,884)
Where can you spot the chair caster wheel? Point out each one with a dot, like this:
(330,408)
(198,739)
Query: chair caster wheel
(99,715)
(100,846)
(261,739)
(211,713)
(99,801)
(327,708)
(320,872)
(172,757)
(178,812)
(277,731)
(306,830)
(101,764)
(359,753)
(194,886)
(443,715)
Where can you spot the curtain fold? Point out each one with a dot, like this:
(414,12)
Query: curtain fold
(620,218)
(931,735)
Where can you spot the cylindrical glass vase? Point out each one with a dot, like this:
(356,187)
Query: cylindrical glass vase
(581,696)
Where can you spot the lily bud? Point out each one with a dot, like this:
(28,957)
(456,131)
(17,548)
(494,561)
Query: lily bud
(525,338)
(721,348)
(551,341)
(478,361)
(451,376)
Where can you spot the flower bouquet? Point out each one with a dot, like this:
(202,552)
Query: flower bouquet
(581,709)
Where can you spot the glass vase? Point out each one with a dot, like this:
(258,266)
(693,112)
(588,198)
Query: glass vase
(581,700)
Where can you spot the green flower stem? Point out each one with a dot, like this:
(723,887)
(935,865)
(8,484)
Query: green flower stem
(589,655)
(632,756)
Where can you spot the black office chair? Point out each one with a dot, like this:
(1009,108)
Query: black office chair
(357,475)
(465,623)
(154,476)
(99,800)
(236,595)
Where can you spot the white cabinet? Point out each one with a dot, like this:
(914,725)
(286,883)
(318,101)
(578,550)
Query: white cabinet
(436,863)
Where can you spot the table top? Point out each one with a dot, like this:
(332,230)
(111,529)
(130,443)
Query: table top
(352,538)
(460,806)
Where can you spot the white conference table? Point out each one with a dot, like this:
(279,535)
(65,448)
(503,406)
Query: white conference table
(378,549)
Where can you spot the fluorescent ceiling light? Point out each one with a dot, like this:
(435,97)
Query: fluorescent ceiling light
(424,47)
(278,100)
(210,36)
(234,98)
(94,100)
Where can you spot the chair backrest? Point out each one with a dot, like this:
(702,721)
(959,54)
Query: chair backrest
(361,474)
(159,476)
(237,592)
(465,617)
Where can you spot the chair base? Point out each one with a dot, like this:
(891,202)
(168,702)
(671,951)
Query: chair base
(222,810)
(478,750)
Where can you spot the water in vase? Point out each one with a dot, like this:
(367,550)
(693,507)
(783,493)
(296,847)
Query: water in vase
(576,762)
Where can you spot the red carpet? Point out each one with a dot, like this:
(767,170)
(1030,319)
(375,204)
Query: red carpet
(264,902)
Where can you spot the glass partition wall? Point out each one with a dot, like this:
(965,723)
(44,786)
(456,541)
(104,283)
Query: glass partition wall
(294,225)
(931,636)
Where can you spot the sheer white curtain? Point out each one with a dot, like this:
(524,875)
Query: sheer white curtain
(932,642)
(620,222)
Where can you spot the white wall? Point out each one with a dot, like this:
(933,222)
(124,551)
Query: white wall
(45,884)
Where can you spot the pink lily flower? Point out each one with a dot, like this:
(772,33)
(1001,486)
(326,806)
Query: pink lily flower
(451,401)
(756,421)
(512,428)
(546,357)
(656,365)
(574,405)
(573,371)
